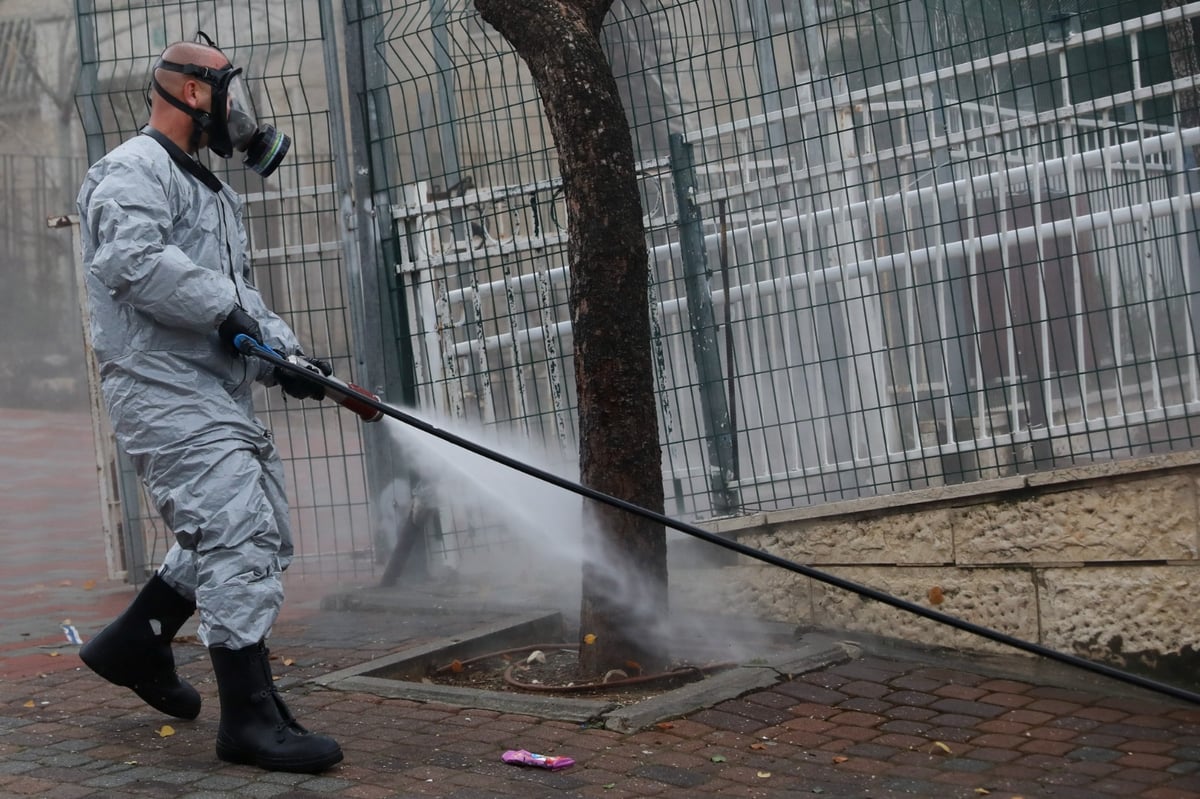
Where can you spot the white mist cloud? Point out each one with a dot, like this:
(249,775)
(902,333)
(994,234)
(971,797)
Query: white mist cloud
(501,527)
(511,536)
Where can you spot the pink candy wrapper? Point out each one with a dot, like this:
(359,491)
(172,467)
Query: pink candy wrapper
(521,757)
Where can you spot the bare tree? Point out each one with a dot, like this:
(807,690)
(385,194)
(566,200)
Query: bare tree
(625,573)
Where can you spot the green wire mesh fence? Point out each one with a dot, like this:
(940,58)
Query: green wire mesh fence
(939,240)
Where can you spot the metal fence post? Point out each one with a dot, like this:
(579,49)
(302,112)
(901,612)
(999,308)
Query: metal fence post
(385,354)
(705,348)
(361,252)
(112,521)
(119,472)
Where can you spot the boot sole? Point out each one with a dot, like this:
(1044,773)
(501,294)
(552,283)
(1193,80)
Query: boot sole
(308,766)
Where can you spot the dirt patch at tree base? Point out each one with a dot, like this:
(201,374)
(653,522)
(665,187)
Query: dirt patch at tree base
(553,670)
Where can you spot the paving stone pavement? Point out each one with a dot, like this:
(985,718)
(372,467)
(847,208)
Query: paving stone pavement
(893,721)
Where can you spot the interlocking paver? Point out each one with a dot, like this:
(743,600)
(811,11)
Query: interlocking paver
(908,713)
(1044,747)
(965,707)
(1026,716)
(864,705)
(1055,734)
(1005,699)
(863,688)
(1001,726)
(915,682)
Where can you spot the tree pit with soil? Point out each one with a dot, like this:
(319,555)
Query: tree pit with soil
(552,669)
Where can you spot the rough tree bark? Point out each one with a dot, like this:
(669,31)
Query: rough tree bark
(625,571)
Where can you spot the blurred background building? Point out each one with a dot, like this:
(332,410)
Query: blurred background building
(41,166)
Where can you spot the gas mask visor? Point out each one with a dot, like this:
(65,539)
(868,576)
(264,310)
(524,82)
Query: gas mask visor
(232,124)
(263,146)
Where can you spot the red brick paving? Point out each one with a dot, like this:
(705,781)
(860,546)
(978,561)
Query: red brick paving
(887,724)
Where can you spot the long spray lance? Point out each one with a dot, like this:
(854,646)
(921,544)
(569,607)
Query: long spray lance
(370,408)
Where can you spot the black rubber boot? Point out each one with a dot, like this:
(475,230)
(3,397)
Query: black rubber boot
(257,729)
(135,650)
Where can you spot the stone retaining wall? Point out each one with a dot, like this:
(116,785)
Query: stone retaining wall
(1101,561)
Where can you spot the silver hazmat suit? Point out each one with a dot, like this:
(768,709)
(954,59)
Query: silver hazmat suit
(166,259)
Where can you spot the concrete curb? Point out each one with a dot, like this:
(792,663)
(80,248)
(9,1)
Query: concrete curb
(816,652)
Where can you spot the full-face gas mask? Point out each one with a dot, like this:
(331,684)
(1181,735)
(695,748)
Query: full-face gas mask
(232,124)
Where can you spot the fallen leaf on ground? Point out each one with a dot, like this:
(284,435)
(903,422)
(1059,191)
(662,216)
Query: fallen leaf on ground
(590,638)
(29,703)
(665,725)
(840,759)
(88,585)
(717,758)
(53,654)
(762,775)
(166,731)
(982,791)
(758,746)
(943,747)
(288,661)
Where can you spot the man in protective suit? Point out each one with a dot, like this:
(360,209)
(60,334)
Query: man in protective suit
(168,282)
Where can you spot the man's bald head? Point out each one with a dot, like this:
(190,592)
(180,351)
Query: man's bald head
(187,53)
(177,122)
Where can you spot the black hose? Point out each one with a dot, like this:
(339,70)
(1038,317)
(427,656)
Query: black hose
(250,347)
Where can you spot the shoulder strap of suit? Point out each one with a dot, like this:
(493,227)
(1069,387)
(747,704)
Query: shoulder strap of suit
(190,165)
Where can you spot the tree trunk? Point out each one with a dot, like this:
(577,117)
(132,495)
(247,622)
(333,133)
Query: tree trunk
(625,571)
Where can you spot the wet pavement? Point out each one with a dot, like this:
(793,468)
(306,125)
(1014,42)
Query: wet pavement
(883,721)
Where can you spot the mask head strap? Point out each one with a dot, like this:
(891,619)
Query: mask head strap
(213,123)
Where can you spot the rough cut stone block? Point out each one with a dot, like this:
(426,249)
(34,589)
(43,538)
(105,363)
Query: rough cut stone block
(1001,599)
(1114,612)
(1150,519)
(903,538)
